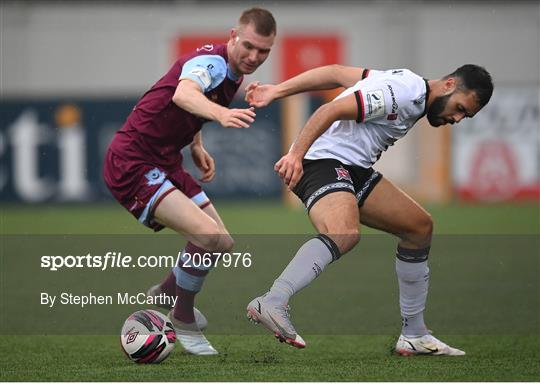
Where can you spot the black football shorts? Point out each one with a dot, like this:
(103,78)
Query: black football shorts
(325,176)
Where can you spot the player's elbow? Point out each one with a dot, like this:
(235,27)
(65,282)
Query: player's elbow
(327,112)
(335,110)
(334,69)
(185,93)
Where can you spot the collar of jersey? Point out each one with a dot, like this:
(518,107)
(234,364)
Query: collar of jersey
(231,75)
(427,95)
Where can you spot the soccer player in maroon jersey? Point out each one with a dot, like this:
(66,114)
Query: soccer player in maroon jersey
(143,166)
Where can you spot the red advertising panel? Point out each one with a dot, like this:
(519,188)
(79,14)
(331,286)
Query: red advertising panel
(302,52)
(189,43)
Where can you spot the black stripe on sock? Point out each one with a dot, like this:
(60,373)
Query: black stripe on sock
(331,245)
(412,255)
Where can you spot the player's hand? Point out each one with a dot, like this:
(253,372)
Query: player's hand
(204,162)
(258,95)
(290,169)
(237,118)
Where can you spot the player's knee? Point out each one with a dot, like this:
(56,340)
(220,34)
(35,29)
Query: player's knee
(421,230)
(345,238)
(226,243)
(350,240)
(425,226)
(219,242)
(212,243)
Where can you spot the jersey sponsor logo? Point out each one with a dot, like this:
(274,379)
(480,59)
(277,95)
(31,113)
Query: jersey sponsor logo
(343,174)
(155,177)
(206,47)
(394,103)
(203,75)
(375,104)
(393,114)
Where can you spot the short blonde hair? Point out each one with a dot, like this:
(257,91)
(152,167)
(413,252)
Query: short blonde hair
(262,19)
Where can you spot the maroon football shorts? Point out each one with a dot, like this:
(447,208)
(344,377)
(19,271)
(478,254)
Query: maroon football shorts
(141,186)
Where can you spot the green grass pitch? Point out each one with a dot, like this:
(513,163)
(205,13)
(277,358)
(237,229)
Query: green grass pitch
(484,298)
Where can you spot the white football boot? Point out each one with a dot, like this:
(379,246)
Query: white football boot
(191,338)
(276,319)
(425,345)
(200,319)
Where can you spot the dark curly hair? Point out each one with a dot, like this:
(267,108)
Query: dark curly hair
(475,78)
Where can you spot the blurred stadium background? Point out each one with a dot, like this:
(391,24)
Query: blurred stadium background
(71,72)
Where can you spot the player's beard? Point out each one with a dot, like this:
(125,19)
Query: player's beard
(436,108)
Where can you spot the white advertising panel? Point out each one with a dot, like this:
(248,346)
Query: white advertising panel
(496,155)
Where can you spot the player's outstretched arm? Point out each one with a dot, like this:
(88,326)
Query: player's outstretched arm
(188,96)
(289,166)
(321,78)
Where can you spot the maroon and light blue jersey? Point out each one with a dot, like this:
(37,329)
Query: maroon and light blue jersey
(157,129)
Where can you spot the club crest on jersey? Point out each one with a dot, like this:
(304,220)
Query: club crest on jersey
(420,100)
(343,174)
(206,47)
(155,177)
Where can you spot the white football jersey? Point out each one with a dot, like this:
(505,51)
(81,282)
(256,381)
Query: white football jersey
(389,104)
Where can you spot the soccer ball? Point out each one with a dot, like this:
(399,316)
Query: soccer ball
(147,337)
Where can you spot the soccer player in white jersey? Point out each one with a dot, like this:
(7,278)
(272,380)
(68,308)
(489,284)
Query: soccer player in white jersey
(329,167)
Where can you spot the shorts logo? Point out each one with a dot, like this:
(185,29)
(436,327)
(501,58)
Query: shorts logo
(155,177)
(135,205)
(343,174)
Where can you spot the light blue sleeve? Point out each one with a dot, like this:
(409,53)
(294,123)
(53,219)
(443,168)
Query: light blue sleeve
(207,70)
